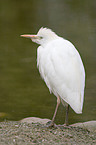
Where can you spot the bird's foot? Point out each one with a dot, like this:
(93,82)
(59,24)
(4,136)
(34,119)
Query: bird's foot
(64,125)
(51,125)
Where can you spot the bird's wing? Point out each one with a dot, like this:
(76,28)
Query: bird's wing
(69,72)
(64,72)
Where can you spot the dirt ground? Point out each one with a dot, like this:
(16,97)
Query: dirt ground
(16,133)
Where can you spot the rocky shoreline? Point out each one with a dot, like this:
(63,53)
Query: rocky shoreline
(33,130)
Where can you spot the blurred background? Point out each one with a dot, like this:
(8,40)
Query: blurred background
(22,91)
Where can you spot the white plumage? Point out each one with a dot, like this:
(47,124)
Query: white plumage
(61,67)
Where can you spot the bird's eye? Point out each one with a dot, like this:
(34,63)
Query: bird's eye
(41,37)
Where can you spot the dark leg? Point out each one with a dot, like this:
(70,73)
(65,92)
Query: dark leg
(66,118)
(58,103)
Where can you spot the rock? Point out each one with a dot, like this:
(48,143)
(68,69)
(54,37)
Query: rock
(35,120)
(90,125)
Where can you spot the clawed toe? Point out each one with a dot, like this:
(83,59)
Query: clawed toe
(51,125)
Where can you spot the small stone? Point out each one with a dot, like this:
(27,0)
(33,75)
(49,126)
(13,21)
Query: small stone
(13,140)
(16,125)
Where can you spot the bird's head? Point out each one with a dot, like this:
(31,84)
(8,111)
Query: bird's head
(43,36)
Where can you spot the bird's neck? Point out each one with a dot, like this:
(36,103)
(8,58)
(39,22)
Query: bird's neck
(49,39)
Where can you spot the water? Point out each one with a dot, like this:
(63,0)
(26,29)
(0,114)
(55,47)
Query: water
(22,91)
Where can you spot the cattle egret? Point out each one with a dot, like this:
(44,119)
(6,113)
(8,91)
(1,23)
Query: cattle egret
(61,68)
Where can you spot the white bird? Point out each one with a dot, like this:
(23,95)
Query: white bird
(61,68)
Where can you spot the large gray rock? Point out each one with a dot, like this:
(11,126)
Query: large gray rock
(35,120)
(90,125)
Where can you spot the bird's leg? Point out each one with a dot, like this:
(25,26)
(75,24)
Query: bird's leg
(66,117)
(58,103)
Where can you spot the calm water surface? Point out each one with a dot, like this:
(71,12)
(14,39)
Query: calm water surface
(22,91)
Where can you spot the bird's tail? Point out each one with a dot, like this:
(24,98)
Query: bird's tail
(75,101)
